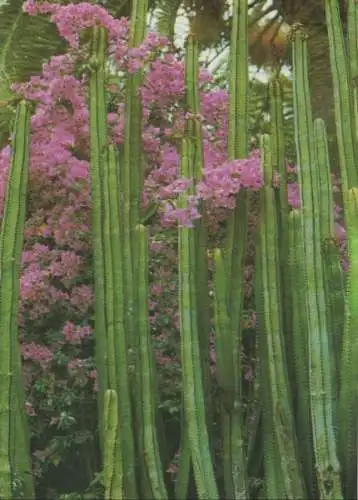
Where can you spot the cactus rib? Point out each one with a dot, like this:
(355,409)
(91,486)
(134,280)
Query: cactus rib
(11,242)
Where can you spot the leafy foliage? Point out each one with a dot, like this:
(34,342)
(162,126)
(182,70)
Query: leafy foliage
(166,14)
(25,44)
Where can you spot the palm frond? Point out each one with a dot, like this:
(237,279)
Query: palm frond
(259,113)
(26,42)
(167,13)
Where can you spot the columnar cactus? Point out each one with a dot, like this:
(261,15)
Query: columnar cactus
(110,321)
(344,70)
(131,178)
(348,408)
(117,347)
(148,395)
(320,354)
(235,475)
(343,97)
(98,136)
(192,98)
(112,458)
(299,348)
(193,391)
(281,456)
(14,442)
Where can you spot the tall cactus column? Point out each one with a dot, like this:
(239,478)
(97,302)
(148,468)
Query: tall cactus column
(131,175)
(320,355)
(117,347)
(282,467)
(348,398)
(279,165)
(11,243)
(194,130)
(343,97)
(199,264)
(98,137)
(112,463)
(190,348)
(333,275)
(235,251)
(148,389)
(299,348)
(111,324)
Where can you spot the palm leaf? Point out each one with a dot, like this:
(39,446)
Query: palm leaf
(167,13)
(26,42)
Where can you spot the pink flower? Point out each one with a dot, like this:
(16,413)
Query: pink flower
(293,195)
(37,353)
(75,334)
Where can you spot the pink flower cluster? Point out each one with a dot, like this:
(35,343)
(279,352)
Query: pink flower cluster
(49,279)
(72,19)
(222,183)
(37,353)
(75,334)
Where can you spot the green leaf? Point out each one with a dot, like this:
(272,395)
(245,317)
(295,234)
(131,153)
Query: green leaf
(26,42)
(167,15)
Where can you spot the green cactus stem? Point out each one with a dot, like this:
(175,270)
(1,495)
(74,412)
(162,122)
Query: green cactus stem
(151,448)
(348,407)
(320,355)
(334,282)
(183,475)
(279,166)
(300,348)
(224,347)
(273,486)
(190,350)
(11,243)
(343,98)
(132,170)
(131,185)
(279,415)
(193,129)
(112,460)
(352,19)
(115,313)
(98,141)
(110,326)
(235,250)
